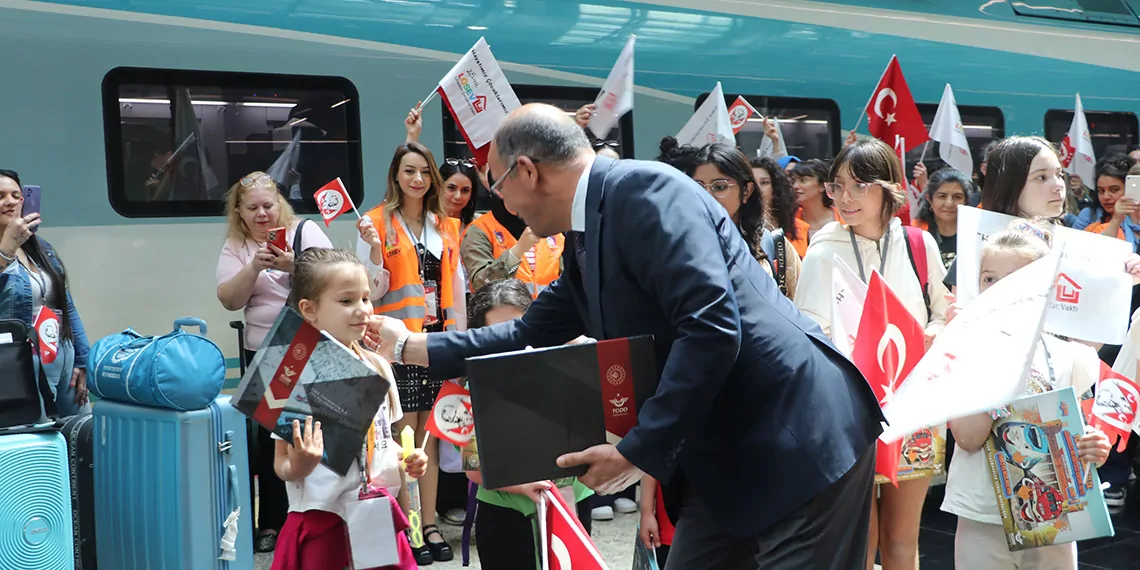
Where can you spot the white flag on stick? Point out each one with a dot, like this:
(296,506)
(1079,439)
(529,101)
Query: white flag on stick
(616,98)
(980,361)
(709,124)
(1077,155)
(848,293)
(479,96)
(951,136)
(768,148)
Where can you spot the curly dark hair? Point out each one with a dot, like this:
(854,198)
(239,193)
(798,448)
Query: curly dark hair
(509,292)
(941,177)
(783,208)
(676,155)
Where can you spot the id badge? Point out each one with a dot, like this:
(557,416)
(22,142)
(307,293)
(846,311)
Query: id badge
(371,531)
(431,303)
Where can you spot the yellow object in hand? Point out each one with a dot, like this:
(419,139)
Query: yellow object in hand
(415,531)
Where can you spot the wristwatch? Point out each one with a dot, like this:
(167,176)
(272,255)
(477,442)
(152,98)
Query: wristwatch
(398,350)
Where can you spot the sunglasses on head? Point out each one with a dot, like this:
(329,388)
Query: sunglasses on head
(248,181)
(458,161)
(612,144)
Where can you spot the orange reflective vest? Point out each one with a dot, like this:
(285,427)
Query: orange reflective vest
(545,255)
(406,296)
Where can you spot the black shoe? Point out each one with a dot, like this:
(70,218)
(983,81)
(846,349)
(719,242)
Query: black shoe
(266,541)
(440,551)
(422,554)
(1115,496)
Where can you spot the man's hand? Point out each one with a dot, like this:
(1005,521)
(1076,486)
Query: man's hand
(382,334)
(609,471)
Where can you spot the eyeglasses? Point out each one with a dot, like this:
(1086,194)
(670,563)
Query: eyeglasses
(835,190)
(262,178)
(718,186)
(612,144)
(498,183)
(458,161)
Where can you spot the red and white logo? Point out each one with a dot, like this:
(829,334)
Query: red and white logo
(332,200)
(1067,151)
(1116,403)
(479,103)
(616,375)
(1068,291)
(47,329)
(610,101)
(452,418)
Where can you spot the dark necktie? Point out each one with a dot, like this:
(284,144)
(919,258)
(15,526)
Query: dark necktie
(579,240)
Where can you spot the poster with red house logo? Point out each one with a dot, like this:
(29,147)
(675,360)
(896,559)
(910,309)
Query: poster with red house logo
(1091,284)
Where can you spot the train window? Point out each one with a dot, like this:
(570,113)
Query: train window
(1113,12)
(177,140)
(981,124)
(810,126)
(569,99)
(1112,132)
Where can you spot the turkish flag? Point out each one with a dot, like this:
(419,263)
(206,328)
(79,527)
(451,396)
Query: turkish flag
(451,417)
(568,544)
(890,342)
(1113,409)
(333,200)
(891,112)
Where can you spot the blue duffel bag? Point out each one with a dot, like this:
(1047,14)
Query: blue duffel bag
(179,370)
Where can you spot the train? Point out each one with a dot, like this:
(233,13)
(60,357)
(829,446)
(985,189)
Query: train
(97,95)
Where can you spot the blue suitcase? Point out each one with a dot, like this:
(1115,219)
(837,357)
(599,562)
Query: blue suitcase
(35,503)
(165,483)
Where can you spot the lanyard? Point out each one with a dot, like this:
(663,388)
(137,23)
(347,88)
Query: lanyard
(1048,369)
(418,242)
(882,253)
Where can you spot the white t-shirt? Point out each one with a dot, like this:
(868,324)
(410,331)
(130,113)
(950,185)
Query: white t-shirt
(325,490)
(969,489)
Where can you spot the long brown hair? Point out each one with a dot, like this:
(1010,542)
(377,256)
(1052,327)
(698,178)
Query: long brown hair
(394,197)
(1007,171)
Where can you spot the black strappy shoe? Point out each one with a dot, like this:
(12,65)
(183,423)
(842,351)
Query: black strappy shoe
(422,555)
(440,551)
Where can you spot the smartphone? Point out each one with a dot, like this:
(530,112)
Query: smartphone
(31,202)
(1132,186)
(277,238)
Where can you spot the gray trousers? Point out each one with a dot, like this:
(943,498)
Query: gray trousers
(828,533)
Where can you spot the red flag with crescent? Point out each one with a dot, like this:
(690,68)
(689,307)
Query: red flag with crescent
(890,342)
(892,113)
(569,546)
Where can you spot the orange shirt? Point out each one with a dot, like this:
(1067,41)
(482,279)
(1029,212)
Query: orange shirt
(1098,227)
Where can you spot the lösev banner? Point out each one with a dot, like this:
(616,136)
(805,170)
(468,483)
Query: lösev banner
(478,94)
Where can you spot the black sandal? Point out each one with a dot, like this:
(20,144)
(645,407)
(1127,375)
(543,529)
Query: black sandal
(440,551)
(422,555)
(266,541)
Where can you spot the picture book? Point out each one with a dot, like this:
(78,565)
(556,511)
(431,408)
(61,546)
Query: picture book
(923,455)
(1046,495)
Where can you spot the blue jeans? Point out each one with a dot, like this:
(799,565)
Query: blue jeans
(58,375)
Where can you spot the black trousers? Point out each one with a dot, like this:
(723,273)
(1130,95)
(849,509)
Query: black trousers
(828,533)
(504,537)
(272,502)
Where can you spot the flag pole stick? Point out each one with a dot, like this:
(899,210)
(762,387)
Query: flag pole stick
(925,146)
(350,201)
(427,100)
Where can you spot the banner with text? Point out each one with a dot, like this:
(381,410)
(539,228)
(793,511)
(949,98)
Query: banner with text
(479,96)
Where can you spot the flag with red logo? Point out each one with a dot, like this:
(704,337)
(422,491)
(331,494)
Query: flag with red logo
(888,344)
(1113,408)
(616,98)
(566,544)
(739,113)
(333,200)
(47,331)
(892,113)
(1077,155)
(451,417)
(477,93)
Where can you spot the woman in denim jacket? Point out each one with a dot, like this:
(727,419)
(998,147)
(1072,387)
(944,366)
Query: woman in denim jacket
(32,275)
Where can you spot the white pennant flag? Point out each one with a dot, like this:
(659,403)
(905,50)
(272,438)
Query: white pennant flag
(1077,155)
(951,136)
(709,124)
(479,96)
(980,360)
(848,294)
(616,98)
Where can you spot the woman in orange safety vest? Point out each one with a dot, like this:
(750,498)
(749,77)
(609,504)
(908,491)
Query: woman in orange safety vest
(411,250)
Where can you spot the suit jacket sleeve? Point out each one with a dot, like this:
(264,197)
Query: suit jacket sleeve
(553,319)
(673,250)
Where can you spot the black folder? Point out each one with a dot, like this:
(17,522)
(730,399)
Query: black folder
(533,406)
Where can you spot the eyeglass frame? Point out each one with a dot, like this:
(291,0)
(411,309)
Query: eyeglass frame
(863,187)
(494,189)
(602,143)
(249,181)
(729,181)
(460,161)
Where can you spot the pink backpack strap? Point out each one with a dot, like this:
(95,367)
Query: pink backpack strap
(916,250)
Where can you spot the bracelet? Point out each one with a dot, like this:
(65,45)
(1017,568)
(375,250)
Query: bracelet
(398,351)
(6,258)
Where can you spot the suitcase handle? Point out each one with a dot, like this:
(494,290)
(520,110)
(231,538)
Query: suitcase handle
(190,322)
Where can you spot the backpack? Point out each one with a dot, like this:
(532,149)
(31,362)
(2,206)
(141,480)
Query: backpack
(916,251)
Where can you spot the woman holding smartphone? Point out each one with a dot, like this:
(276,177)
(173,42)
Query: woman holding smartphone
(254,275)
(32,277)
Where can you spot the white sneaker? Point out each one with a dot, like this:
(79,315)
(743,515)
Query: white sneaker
(625,506)
(602,514)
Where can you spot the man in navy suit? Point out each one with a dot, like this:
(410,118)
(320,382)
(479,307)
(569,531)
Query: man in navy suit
(762,433)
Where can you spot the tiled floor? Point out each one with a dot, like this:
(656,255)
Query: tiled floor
(1121,552)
